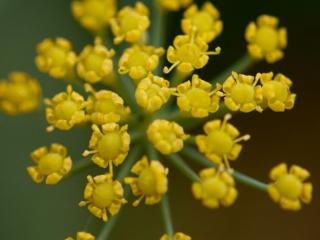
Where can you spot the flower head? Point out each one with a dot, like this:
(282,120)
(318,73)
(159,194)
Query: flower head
(174,5)
(82,236)
(189,52)
(102,194)
(205,22)
(215,188)
(167,137)
(176,236)
(130,23)
(152,93)
(221,141)
(139,60)
(151,182)
(197,97)
(95,62)
(52,164)
(265,39)
(276,92)
(242,92)
(65,110)
(19,94)
(110,145)
(289,188)
(94,15)
(105,106)
(56,57)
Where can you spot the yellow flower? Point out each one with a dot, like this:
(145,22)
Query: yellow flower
(139,60)
(197,97)
(151,182)
(103,194)
(166,136)
(241,92)
(105,106)
(289,188)
(95,63)
(51,164)
(94,15)
(221,141)
(82,236)
(19,94)
(174,5)
(188,53)
(65,110)
(56,58)
(152,93)
(110,145)
(276,92)
(265,39)
(215,188)
(130,23)
(205,22)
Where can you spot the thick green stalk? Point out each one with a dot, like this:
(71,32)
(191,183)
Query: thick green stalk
(240,177)
(166,215)
(183,167)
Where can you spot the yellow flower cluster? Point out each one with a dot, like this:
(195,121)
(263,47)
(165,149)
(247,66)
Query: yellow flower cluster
(176,236)
(82,236)
(19,94)
(174,5)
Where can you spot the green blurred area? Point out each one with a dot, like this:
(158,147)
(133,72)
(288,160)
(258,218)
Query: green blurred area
(37,212)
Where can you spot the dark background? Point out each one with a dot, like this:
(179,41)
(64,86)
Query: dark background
(30,211)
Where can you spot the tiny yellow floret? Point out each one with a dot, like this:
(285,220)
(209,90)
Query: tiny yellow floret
(56,58)
(242,93)
(276,92)
(167,137)
(19,94)
(105,106)
(215,188)
(189,52)
(265,39)
(52,164)
(139,60)
(206,22)
(174,5)
(289,188)
(221,142)
(152,93)
(110,145)
(197,97)
(102,194)
(95,63)
(151,182)
(65,110)
(130,24)
(176,236)
(82,236)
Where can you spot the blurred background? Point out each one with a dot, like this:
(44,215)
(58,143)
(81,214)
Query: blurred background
(37,212)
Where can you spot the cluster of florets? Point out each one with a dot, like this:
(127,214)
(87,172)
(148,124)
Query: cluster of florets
(136,104)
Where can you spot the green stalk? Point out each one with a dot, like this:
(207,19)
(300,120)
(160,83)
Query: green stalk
(80,165)
(166,215)
(183,167)
(152,153)
(240,177)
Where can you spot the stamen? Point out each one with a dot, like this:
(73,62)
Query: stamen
(167,70)
(137,202)
(243,138)
(216,51)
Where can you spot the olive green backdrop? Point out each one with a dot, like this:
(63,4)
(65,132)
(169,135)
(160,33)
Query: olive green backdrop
(37,212)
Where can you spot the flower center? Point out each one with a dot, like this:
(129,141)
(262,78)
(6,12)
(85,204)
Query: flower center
(105,106)
(289,186)
(202,21)
(242,93)
(65,109)
(267,38)
(189,52)
(18,93)
(275,90)
(138,58)
(219,142)
(94,62)
(109,145)
(147,182)
(97,9)
(199,98)
(103,195)
(153,90)
(130,21)
(57,55)
(50,163)
(214,188)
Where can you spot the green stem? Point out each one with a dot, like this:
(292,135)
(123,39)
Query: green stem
(241,65)
(80,165)
(240,177)
(152,153)
(178,78)
(166,215)
(183,167)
